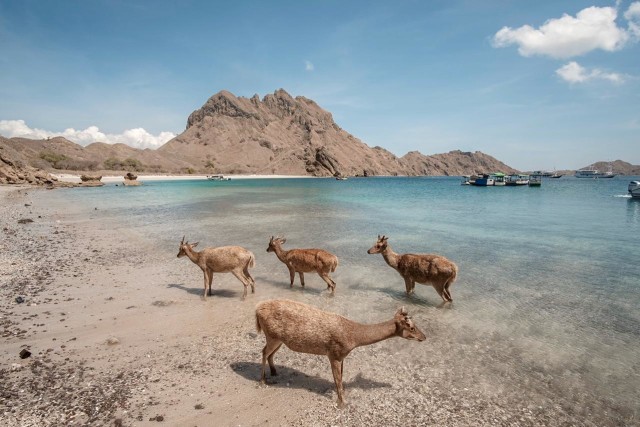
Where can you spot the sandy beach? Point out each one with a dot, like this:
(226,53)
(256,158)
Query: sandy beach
(119,335)
(110,179)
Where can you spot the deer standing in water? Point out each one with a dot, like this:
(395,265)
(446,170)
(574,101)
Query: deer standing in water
(306,329)
(431,269)
(224,259)
(305,261)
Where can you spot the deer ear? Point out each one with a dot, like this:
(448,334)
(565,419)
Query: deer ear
(193,245)
(283,240)
(403,311)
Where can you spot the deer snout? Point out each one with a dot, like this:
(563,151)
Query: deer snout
(370,251)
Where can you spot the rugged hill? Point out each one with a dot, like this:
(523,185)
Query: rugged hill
(618,167)
(453,163)
(277,134)
(13,170)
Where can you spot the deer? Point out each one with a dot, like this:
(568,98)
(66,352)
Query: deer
(224,259)
(422,268)
(305,261)
(306,329)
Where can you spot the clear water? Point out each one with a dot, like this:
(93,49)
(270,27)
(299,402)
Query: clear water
(551,273)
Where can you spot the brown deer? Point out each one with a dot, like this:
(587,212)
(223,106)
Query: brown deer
(223,259)
(306,329)
(305,261)
(422,268)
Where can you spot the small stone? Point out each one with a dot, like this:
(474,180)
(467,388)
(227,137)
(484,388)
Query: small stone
(24,220)
(113,341)
(19,300)
(24,353)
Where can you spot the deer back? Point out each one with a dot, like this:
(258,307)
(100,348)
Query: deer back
(426,267)
(225,258)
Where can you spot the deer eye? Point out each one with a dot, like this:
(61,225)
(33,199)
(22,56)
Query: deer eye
(412,329)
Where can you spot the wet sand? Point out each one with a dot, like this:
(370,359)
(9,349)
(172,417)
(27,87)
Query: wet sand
(119,335)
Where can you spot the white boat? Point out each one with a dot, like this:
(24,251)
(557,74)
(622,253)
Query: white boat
(218,178)
(517,179)
(535,180)
(594,173)
(498,178)
(634,189)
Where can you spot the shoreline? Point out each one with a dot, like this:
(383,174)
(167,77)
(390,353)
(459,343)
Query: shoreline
(118,331)
(75,178)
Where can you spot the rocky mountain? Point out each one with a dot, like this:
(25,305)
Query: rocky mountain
(15,171)
(278,134)
(618,167)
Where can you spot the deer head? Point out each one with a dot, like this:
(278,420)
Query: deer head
(380,245)
(405,327)
(275,241)
(185,246)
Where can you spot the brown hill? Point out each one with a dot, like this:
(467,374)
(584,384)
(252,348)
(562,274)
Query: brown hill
(618,167)
(14,170)
(453,163)
(277,134)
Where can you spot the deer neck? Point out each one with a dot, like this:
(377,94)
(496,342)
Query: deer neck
(370,334)
(280,253)
(193,255)
(390,257)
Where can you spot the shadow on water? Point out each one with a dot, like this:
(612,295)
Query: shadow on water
(224,293)
(413,299)
(292,378)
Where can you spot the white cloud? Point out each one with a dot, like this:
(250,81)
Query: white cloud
(592,28)
(633,16)
(576,73)
(137,138)
(308,65)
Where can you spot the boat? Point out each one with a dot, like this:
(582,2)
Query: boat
(498,178)
(594,173)
(535,180)
(466,180)
(634,189)
(218,178)
(556,175)
(485,180)
(517,179)
(341,178)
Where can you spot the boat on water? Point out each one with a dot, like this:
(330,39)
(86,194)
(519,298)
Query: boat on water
(517,179)
(634,189)
(484,180)
(594,173)
(466,180)
(218,178)
(535,180)
(499,179)
(556,175)
(341,178)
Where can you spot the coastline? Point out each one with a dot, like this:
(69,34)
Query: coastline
(75,178)
(118,331)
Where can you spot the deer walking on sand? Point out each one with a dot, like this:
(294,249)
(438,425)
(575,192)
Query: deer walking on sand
(305,261)
(306,329)
(422,268)
(224,259)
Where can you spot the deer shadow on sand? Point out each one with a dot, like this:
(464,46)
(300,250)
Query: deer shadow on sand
(224,293)
(280,284)
(292,378)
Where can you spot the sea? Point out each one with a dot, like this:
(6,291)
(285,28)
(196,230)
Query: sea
(549,276)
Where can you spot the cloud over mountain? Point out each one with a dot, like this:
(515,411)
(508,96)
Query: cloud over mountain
(137,138)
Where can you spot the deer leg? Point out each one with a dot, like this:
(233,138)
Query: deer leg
(206,282)
(267,354)
(329,281)
(210,281)
(439,287)
(336,368)
(446,291)
(408,285)
(292,276)
(250,278)
(301,274)
(242,279)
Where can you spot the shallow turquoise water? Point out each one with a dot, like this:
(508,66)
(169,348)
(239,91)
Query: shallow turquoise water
(553,271)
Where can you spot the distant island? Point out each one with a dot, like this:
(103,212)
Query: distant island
(275,135)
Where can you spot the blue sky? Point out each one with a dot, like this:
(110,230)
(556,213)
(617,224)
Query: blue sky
(538,85)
